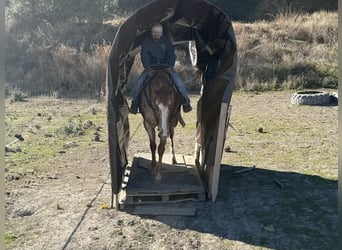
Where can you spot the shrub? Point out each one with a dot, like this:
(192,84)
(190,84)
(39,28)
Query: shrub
(70,59)
(17,95)
(293,51)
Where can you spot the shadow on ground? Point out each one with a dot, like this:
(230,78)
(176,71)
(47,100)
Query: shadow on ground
(267,208)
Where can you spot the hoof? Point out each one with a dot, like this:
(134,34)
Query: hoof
(158,177)
(153,169)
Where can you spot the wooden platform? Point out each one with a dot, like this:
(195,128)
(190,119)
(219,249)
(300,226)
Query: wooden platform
(180,182)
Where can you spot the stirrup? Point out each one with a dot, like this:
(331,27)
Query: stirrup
(133,110)
(187,108)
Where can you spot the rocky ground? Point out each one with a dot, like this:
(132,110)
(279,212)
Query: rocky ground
(62,201)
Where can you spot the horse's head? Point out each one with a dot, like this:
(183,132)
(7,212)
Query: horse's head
(163,97)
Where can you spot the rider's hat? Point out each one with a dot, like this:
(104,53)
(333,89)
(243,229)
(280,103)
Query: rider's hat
(157,29)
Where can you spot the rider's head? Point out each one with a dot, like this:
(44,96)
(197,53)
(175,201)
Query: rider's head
(156,31)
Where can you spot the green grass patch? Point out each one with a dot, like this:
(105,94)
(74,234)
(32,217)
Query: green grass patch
(10,238)
(47,124)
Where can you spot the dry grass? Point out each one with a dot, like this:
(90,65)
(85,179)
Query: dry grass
(293,51)
(295,138)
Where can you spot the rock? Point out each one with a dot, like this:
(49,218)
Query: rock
(70,144)
(22,212)
(52,177)
(96,138)
(13,176)
(10,150)
(19,136)
(80,133)
(88,124)
(59,207)
(93,228)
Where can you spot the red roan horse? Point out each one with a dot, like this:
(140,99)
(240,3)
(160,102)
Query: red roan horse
(160,107)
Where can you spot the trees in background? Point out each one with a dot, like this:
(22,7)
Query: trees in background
(97,10)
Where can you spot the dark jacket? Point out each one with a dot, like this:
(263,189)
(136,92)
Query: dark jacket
(157,53)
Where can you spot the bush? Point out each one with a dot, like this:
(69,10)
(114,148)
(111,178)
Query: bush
(298,51)
(69,59)
(17,95)
(38,62)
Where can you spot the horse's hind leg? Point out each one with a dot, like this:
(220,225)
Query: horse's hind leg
(174,161)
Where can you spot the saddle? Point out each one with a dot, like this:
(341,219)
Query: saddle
(157,69)
(179,97)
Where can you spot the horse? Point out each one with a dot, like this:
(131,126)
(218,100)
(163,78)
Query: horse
(159,106)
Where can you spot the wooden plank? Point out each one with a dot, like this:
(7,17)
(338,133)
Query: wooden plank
(175,178)
(145,159)
(157,209)
(215,174)
(164,198)
(180,182)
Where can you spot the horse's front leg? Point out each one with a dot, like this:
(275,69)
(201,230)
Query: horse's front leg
(161,150)
(174,161)
(152,136)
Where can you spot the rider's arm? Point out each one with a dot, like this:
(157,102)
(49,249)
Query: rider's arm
(170,53)
(145,58)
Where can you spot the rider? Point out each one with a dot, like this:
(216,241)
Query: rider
(157,51)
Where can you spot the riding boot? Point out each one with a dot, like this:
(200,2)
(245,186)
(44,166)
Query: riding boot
(138,86)
(182,90)
(134,107)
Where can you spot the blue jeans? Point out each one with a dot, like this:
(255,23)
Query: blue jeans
(138,86)
(180,86)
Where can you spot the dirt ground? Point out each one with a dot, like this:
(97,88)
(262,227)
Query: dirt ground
(288,202)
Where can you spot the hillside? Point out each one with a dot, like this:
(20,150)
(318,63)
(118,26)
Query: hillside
(253,10)
(294,50)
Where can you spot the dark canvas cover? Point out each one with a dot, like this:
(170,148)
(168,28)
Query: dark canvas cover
(184,20)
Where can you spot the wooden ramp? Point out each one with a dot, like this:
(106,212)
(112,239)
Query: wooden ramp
(180,182)
(185,208)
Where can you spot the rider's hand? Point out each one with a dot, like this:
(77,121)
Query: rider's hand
(169,69)
(149,71)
